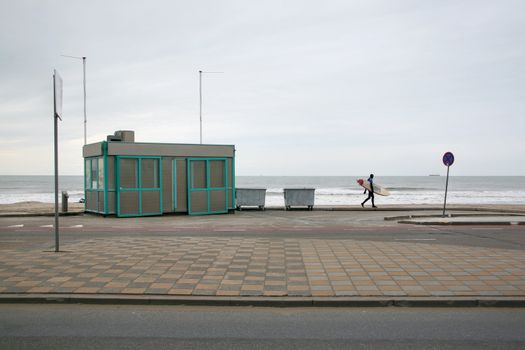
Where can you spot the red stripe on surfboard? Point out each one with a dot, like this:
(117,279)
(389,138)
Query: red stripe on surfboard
(360,181)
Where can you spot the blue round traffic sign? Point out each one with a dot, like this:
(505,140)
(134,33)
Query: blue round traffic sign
(448,159)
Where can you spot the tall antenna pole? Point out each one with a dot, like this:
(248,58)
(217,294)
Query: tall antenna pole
(83,58)
(200,100)
(200,104)
(85,116)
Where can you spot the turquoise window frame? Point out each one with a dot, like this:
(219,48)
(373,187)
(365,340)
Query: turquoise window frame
(93,172)
(207,189)
(139,187)
(106,181)
(174,184)
(85,182)
(234,205)
(88,183)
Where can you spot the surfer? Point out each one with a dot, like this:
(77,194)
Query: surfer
(370,192)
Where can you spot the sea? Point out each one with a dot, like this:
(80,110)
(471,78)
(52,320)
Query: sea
(329,190)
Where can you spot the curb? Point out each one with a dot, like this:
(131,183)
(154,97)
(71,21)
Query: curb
(481,210)
(450,223)
(452,215)
(114,299)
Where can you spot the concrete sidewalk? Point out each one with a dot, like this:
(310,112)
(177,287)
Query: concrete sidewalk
(464,218)
(252,270)
(258,267)
(467,220)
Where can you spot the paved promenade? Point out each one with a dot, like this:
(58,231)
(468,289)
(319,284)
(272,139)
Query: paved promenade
(270,254)
(264,267)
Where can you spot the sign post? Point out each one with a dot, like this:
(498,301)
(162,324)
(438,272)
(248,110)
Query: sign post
(57,107)
(448,160)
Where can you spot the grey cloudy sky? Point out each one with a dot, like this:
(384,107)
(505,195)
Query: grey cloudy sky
(310,87)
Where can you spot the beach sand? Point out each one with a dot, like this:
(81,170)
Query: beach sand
(37,208)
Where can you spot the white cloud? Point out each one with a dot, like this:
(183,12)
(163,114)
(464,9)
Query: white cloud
(343,87)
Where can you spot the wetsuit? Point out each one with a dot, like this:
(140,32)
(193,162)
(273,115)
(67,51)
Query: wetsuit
(370,193)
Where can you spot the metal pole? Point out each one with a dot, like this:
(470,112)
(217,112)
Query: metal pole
(446,190)
(57,248)
(83,58)
(85,117)
(200,100)
(200,104)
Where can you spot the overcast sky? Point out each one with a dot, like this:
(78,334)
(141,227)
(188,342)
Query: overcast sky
(309,87)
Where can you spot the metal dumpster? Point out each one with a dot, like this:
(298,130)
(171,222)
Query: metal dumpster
(299,197)
(250,197)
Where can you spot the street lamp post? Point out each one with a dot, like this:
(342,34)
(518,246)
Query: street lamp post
(83,58)
(200,99)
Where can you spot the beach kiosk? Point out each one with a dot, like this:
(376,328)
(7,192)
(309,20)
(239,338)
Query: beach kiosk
(127,178)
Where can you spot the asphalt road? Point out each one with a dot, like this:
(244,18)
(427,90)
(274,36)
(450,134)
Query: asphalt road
(183,327)
(38,232)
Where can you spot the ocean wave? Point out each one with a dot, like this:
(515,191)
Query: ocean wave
(338,194)
(412,188)
(320,191)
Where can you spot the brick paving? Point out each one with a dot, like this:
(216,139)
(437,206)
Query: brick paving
(202,266)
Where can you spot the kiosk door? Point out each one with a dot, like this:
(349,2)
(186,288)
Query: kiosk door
(139,191)
(207,186)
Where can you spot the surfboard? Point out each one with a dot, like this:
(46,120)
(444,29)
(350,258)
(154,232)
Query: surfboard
(377,189)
